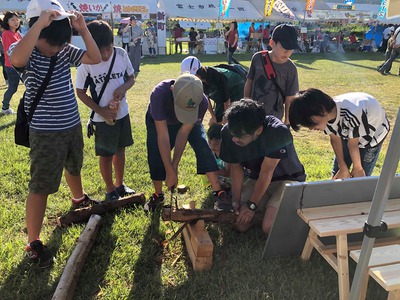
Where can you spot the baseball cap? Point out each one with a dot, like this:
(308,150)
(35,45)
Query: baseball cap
(188,94)
(35,8)
(286,35)
(133,18)
(190,64)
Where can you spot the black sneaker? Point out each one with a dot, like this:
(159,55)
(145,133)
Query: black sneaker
(154,201)
(112,196)
(123,191)
(221,202)
(37,252)
(87,201)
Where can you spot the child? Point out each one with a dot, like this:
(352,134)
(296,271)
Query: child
(355,122)
(214,140)
(55,130)
(258,87)
(110,140)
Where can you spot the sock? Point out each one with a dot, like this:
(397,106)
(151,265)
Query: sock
(79,199)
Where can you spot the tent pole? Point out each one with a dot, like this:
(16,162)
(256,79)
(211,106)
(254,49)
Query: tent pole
(378,206)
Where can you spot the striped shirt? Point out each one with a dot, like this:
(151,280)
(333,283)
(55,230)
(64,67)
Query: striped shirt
(57,110)
(359,115)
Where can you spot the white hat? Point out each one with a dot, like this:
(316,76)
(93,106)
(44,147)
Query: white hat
(190,64)
(392,28)
(35,8)
(188,94)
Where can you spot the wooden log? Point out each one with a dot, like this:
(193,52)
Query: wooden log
(70,276)
(83,214)
(189,215)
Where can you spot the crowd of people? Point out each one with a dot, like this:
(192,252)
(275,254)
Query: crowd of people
(249,139)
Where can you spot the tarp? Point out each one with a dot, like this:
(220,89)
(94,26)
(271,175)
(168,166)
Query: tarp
(208,10)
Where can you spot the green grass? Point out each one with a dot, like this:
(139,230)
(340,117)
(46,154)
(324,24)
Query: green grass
(127,260)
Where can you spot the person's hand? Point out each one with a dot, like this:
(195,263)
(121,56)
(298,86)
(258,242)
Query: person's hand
(342,174)
(107,113)
(119,93)
(236,206)
(46,17)
(245,215)
(358,173)
(171,180)
(78,23)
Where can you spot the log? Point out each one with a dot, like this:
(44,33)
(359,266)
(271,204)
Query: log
(83,214)
(70,276)
(191,215)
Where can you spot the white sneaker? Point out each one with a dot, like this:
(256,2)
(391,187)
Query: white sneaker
(7,111)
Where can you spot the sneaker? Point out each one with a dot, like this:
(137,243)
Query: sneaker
(221,202)
(154,201)
(84,202)
(37,252)
(123,190)
(7,111)
(112,196)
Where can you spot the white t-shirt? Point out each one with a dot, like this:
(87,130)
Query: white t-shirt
(397,35)
(122,66)
(386,33)
(359,115)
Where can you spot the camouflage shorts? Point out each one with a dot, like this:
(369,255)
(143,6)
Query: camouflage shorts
(50,153)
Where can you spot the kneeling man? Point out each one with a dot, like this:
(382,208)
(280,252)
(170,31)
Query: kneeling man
(264,145)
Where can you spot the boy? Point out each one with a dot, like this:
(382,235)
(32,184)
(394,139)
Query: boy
(264,145)
(355,122)
(174,117)
(110,140)
(276,101)
(55,130)
(214,140)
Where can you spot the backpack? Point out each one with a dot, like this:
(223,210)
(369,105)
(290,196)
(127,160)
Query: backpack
(239,69)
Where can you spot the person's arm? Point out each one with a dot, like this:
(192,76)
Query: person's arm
(213,118)
(343,171)
(354,151)
(288,101)
(164,147)
(265,176)
(235,42)
(247,88)
(236,171)
(23,50)
(105,112)
(92,54)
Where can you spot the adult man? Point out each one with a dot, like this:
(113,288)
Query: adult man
(264,145)
(174,117)
(385,37)
(395,52)
(275,96)
(135,48)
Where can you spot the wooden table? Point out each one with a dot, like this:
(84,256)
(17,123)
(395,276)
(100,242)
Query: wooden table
(339,221)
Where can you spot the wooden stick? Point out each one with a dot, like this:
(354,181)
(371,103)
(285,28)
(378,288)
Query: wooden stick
(69,278)
(189,215)
(83,214)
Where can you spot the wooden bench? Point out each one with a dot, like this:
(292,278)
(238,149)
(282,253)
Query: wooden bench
(339,221)
(384,267)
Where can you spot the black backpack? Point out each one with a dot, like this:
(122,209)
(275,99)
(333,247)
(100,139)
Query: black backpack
(239,69)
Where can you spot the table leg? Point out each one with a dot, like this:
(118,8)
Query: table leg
(308,247)
(343,266)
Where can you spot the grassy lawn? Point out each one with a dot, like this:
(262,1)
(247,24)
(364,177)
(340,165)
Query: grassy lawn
(128,260)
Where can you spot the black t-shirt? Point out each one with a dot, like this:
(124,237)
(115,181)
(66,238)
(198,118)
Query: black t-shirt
(275,141)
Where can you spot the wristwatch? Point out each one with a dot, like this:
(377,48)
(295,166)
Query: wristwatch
(251,205)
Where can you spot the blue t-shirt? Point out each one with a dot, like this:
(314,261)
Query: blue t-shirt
(57,110)
(161,105)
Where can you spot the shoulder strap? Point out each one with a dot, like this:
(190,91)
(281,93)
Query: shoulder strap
(271,75)
(42,88)
(106,80)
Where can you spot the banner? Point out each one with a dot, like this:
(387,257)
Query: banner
(348,2)
(224,6)
(310,7)
(269,4)
(282,8)
(393,9)
(382,9)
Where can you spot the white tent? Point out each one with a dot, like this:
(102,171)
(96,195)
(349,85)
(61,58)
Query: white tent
(208,10)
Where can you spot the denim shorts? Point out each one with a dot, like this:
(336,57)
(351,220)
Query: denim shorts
(205,160)
(50,153)
(110,138)
(368,156)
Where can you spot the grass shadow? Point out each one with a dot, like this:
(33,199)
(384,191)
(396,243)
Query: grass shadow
(147,269)
(7,125)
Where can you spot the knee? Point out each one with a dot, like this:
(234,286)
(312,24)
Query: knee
(266,227)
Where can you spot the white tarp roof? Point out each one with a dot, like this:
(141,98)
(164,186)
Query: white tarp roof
(208,10)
